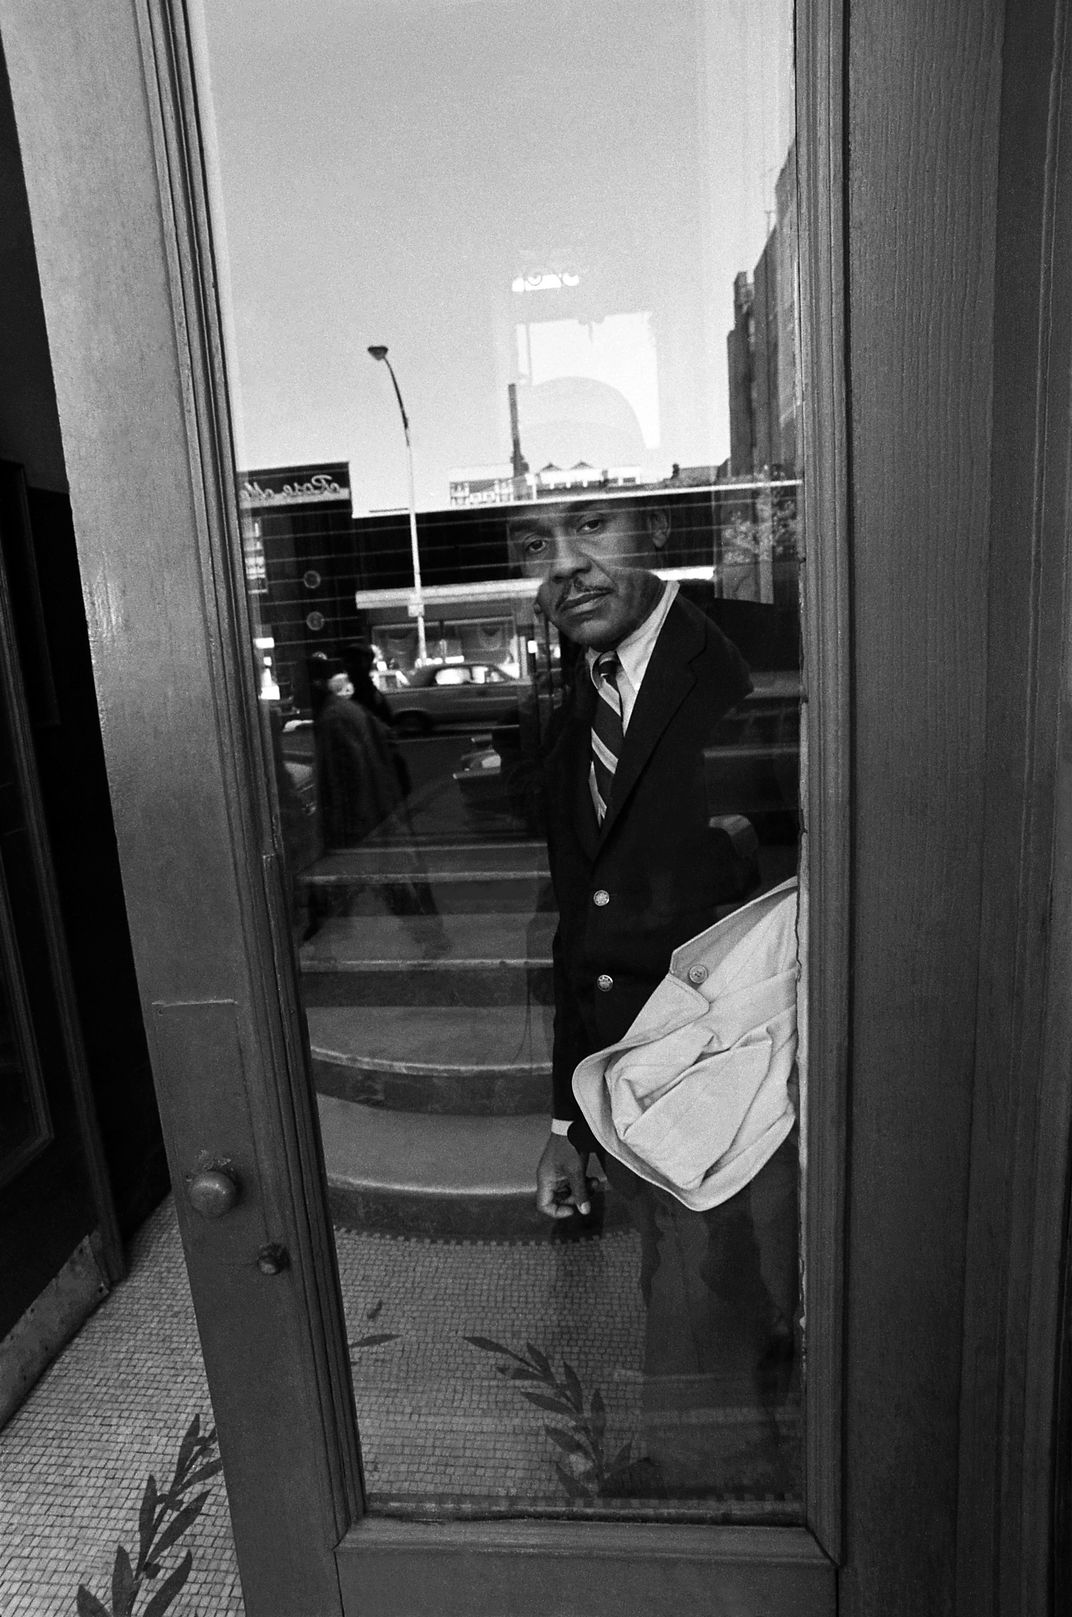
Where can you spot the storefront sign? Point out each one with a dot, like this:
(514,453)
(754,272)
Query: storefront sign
(295,485)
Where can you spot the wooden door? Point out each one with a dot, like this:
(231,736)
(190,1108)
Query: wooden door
(163,590)
(107,114)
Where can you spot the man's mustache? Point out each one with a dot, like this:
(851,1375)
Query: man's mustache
(574,595)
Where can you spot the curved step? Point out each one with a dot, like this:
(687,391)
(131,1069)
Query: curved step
(460,1178)
(476,960)
(436,1059)
(451,879)
(450,862)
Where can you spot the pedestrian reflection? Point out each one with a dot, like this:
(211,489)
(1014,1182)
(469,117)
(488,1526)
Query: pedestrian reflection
(357,782)
(362,785)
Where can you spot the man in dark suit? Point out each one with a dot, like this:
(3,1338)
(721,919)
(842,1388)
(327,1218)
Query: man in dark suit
(638,867)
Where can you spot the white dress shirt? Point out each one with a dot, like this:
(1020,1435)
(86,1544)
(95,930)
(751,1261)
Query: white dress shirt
(634,652)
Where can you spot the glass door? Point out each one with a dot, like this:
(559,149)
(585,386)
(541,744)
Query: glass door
(510,463)
(511,304)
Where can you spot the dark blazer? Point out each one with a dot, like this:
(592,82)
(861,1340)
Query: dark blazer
(663,870)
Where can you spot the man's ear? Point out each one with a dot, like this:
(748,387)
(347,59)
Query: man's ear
(659,526)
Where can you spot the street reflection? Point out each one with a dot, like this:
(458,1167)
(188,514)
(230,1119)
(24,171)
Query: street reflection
(529,658)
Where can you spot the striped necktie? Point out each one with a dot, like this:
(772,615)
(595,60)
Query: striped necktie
(608,732)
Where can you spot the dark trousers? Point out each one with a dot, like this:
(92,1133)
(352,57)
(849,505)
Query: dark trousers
(721,1290)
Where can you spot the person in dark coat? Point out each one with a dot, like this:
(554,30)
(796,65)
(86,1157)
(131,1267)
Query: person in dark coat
(361,789)
(357,659)
(638,869)
(357,784)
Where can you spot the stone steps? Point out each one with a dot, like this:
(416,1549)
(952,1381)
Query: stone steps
(476,960)
(434,1059)
(452,879)
(461,1178)
(384,862)
(430,1036)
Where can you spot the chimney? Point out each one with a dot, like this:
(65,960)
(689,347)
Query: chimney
(520,464)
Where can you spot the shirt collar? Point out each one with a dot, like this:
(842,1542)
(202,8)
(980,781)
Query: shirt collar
(634,652)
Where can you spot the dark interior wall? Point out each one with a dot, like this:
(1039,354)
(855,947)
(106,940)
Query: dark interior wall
(29,424)
(67,741)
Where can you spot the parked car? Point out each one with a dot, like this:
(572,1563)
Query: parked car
(751,769)
(456,696)
(389,679)
(488,806)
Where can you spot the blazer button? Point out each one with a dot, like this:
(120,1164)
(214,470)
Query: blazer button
(697,974)
(601,897)
(604,982)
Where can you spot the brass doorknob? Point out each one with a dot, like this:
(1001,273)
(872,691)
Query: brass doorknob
(213,1192)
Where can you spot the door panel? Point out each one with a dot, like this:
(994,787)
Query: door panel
(195,856)
(650,1362)
(220,977)
(52,1192)
(777,1572)
(121,226)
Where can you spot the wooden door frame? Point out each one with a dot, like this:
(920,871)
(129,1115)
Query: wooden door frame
(960,291)
(184,755)
(170,649)
(1021,1151)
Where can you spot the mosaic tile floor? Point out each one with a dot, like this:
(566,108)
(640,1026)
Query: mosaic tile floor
(435,1414)
(460,1351)
(74,1459)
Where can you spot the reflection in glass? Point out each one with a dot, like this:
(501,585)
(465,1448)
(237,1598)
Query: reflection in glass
(574,231)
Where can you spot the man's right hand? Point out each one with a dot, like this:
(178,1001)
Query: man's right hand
(561,1186)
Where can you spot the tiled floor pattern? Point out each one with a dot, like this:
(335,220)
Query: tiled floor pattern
(475,1434)
(74,1459)
(439,1422)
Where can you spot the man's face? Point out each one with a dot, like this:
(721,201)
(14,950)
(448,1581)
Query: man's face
(594,565)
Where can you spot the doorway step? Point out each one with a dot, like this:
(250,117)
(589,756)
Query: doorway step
(469,879)
(430,1037)
(438,1176)
(435,1059)
(474,960)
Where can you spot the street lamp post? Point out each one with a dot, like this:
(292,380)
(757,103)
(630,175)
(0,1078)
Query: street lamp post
(378,351)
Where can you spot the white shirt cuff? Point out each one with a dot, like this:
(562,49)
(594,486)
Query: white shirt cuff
(560,1125)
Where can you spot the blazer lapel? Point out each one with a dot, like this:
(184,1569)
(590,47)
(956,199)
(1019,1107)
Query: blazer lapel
(571,758)
(667,681)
